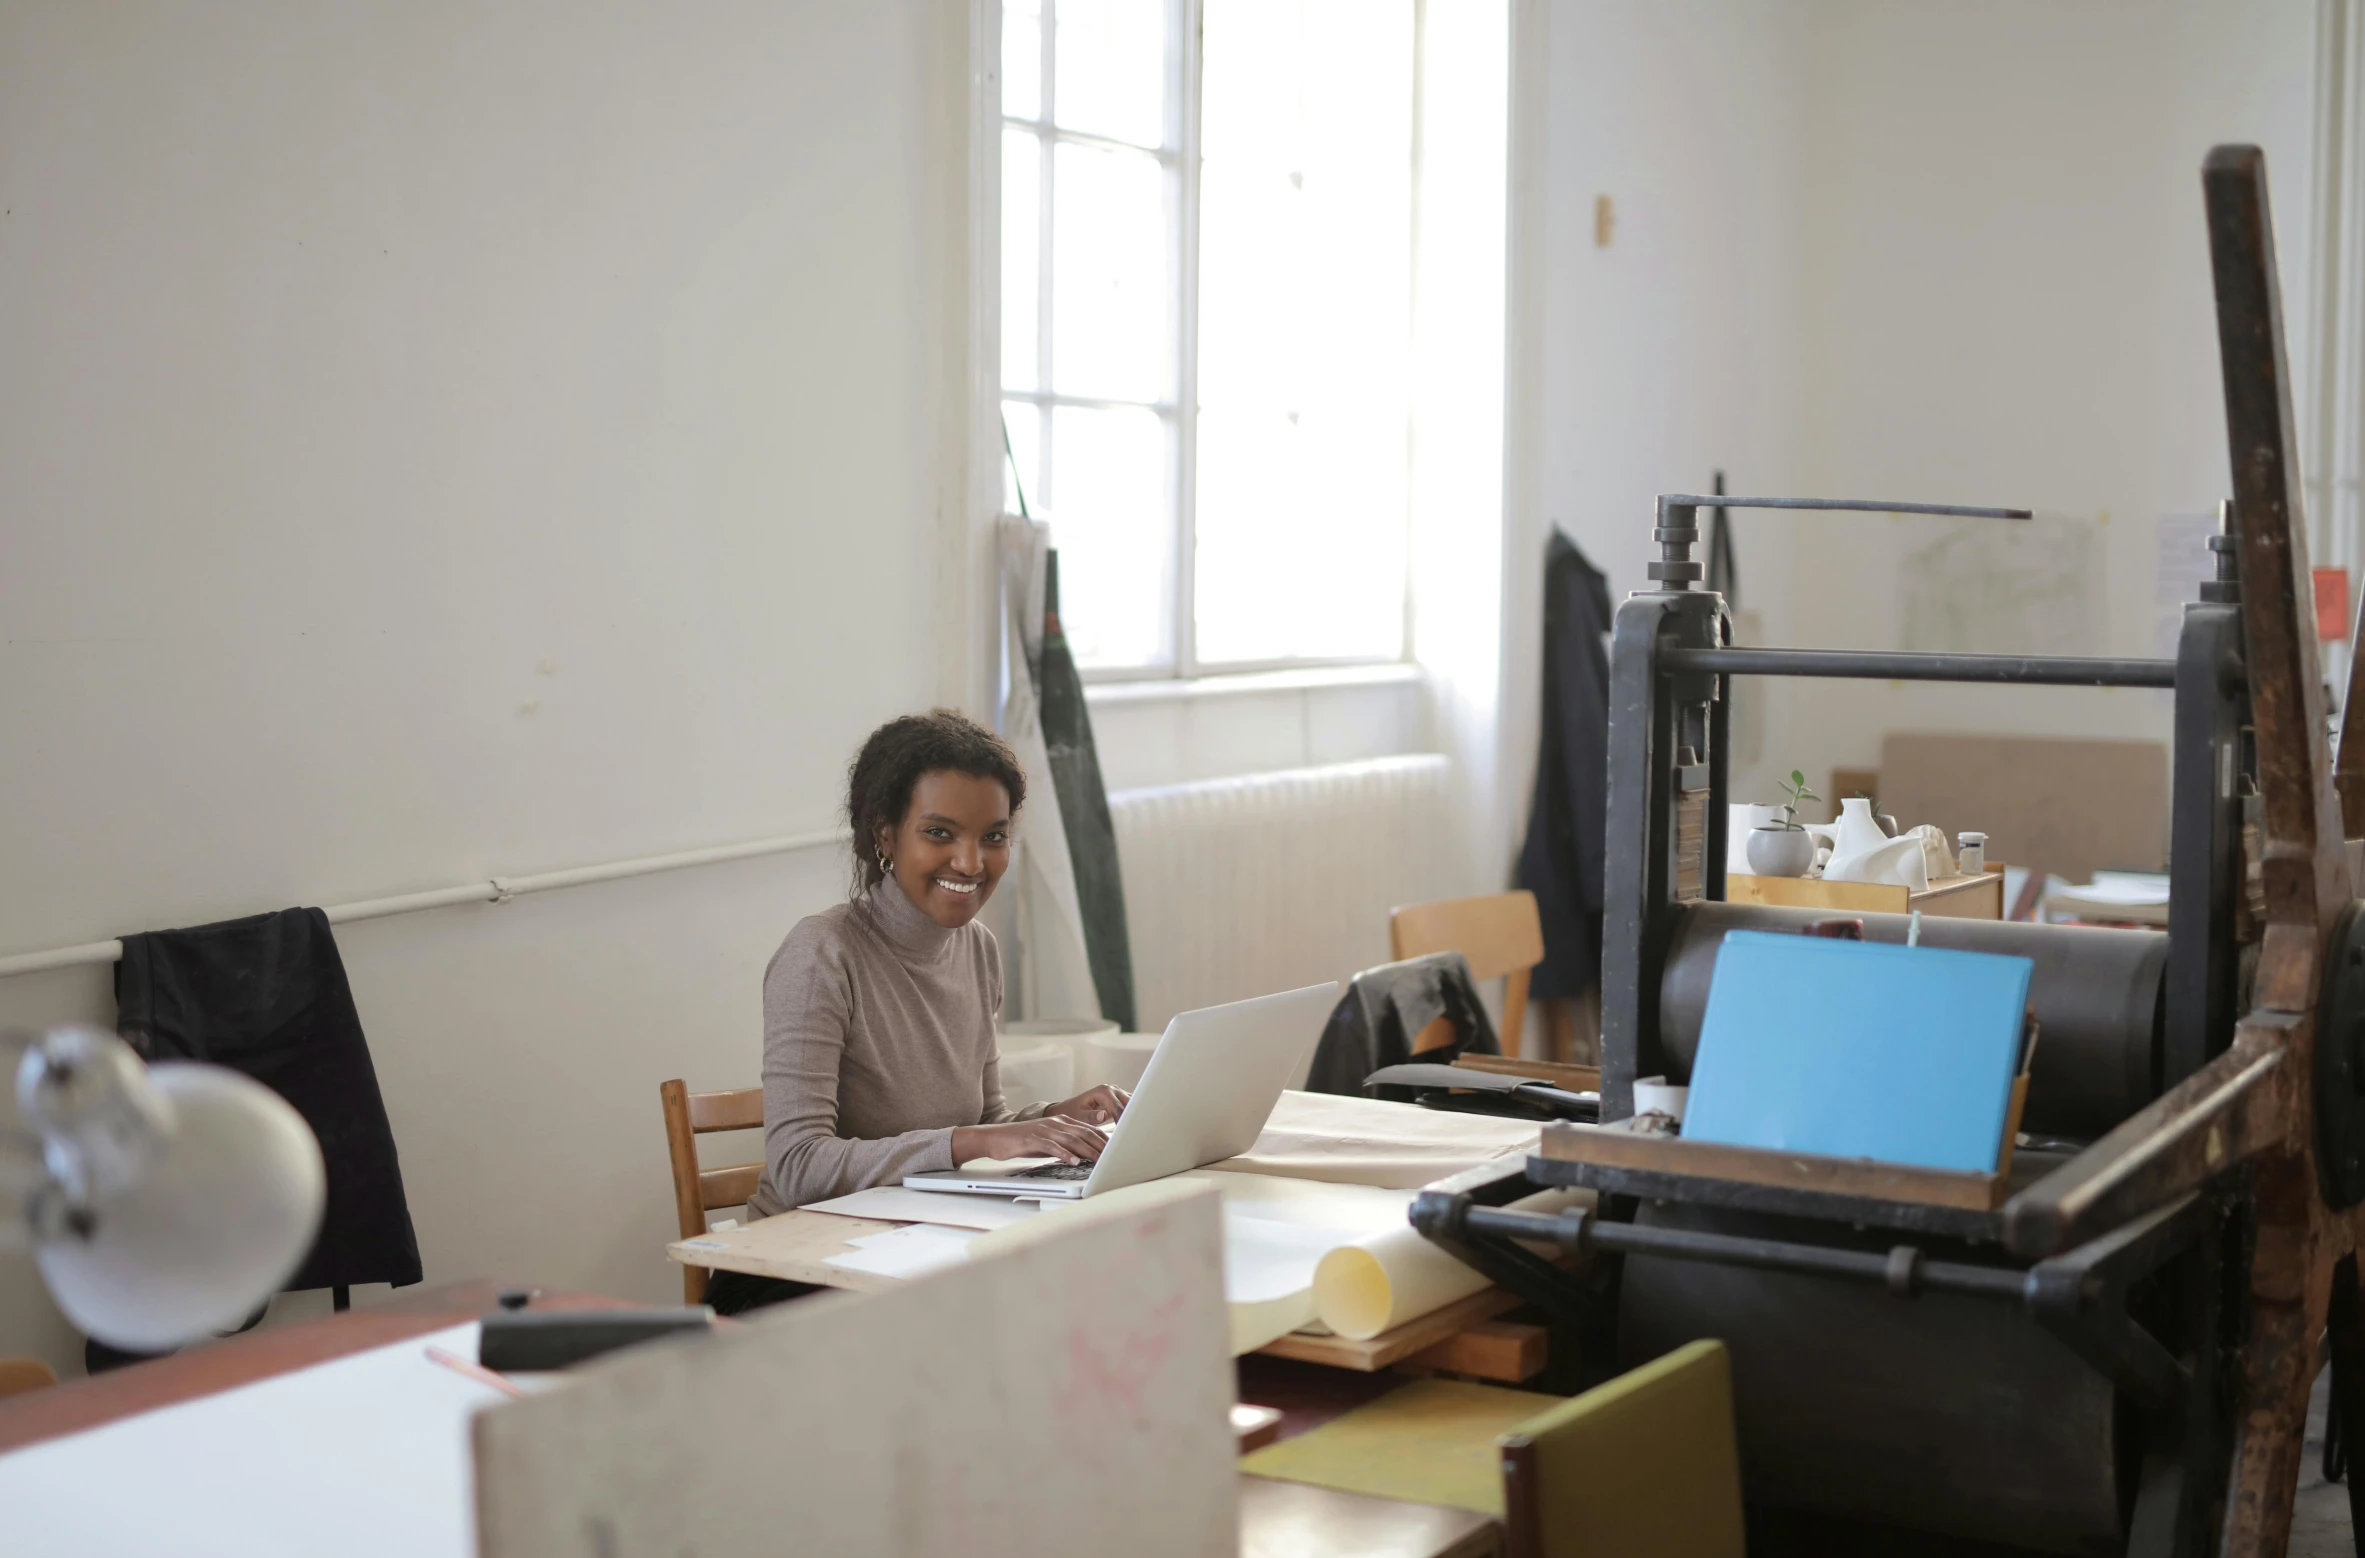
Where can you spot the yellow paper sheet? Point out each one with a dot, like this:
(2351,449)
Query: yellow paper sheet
(1432,1441)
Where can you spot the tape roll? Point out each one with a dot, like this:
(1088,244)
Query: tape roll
(1042,1072)
(1119,1059)
(1073,1033)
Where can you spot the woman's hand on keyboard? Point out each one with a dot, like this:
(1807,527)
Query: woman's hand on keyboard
(1094,1106)
(1053,1136)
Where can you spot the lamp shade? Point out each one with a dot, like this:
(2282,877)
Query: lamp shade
(209,1233)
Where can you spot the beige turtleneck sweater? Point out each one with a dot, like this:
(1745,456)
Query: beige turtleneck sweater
(878,1042)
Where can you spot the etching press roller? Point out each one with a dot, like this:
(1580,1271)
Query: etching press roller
(2107,1347)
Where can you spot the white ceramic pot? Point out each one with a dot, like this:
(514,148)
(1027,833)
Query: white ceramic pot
(1780,851)
(1741,818)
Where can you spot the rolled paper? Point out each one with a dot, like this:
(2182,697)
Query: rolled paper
(1384,1280)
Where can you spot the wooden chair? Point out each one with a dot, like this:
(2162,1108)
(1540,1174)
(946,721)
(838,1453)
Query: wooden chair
(698,1191)
(1500,935)
(1647,1463)
(18,1375)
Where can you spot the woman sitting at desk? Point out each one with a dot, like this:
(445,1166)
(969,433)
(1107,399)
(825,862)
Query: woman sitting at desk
(879,1013)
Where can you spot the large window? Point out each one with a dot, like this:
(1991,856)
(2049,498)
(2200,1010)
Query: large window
(1206,285)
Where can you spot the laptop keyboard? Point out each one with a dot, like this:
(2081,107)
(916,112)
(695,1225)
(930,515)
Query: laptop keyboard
(1056,1171)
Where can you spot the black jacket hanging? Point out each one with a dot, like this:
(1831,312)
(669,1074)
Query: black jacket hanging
(1384,1011)
(1561,861)
(267,996)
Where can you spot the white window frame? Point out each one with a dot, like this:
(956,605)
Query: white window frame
(1180,157)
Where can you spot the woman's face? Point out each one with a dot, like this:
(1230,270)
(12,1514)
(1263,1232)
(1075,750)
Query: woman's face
(952,846)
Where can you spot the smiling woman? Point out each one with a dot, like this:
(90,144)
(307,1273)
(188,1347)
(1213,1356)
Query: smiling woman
(879,1056)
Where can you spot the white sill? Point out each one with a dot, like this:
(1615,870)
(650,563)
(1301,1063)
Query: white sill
(1247,683)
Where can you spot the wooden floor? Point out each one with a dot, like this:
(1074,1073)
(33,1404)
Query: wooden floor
(2320,1519)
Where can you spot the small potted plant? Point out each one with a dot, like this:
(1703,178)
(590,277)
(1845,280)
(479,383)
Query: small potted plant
(1785,848)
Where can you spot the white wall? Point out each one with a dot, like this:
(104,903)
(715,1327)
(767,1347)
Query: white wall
(1157,733)
(2008,302)
(1673,351)
(446,439)
(1917,249)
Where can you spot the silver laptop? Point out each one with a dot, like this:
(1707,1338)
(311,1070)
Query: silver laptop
(1209,1088)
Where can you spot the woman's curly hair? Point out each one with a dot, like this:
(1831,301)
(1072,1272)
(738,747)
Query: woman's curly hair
(879,785)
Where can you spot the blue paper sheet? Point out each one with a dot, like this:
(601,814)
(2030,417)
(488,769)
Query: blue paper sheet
(1859,1049)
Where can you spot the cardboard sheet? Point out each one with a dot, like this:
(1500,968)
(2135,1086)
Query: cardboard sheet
(1051,1396)
(363,1455)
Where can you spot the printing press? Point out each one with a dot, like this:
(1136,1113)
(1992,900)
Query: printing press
(2110,1348)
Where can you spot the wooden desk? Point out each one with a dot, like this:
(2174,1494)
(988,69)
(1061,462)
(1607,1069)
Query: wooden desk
(1277,1520)
(1458,1339)
(75,1405)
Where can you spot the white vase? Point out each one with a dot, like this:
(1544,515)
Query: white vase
(1858,833)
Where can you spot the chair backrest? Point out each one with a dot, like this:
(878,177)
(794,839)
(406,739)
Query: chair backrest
(698,1191)
(1500,935)
(18,1375)
(1646,1463)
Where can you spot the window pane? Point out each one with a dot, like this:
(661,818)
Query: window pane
(1304,329)
(1022,464)
(1022,179)
(1112,314)
(1022,58)
(1112,519)
(1109,73)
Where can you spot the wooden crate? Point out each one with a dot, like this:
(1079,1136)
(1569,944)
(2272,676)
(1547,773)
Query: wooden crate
(1979,897)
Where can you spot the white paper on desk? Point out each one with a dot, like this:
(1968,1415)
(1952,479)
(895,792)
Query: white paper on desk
(1371,1141)
(910,1251)
(1269,1275)
(901,1204)
(362,1456)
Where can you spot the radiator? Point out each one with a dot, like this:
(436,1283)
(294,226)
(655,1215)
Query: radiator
(1241,887)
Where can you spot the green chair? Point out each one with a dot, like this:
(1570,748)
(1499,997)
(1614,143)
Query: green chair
(1644,1464)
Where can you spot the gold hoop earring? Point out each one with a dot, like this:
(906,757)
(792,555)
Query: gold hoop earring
(886,866)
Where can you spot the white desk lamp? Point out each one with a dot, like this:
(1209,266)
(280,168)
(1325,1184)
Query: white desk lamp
(167,1201)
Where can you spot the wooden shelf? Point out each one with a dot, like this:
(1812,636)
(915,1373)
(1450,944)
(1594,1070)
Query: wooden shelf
(1388,1347)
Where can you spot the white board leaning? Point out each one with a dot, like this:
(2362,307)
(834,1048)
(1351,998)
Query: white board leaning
(1030,1403)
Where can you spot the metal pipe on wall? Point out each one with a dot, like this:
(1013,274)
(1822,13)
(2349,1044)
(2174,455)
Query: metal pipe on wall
(498,889)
